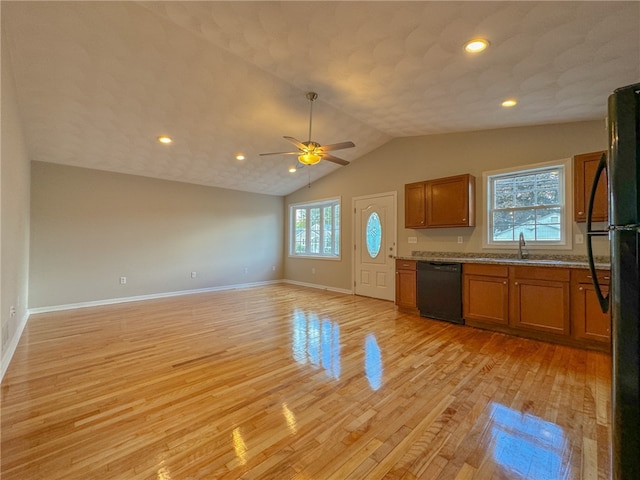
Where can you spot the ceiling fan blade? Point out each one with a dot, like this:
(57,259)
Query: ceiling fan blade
(337,146)
(297,143)
(334,159)
(280,153)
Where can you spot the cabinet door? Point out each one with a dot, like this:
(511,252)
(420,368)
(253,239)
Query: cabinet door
(584,168)
(415,205)
(587,320)
(486,299)
(450,202)
(406,284)
(541,305)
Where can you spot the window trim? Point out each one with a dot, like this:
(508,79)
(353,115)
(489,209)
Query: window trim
(566,209)
(292,233)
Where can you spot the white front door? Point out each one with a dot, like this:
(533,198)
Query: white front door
(375,245)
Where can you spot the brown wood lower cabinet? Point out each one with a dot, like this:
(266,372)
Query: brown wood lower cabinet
(587,320)
(406,280)
(539,299)
(546,303)
(486,293)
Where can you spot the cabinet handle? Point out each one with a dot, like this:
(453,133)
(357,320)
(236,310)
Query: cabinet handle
(515,283)
(504,283)
(580,213)
(606,278)
(581,289)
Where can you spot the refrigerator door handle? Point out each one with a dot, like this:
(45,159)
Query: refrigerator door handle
(602,300)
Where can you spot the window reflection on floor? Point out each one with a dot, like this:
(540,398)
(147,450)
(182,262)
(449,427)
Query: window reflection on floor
(528,447)
(316,341)
(373,362)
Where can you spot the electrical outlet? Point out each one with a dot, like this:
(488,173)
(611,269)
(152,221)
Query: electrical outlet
(412,239)
(123,280)
(246,270)
(12,311)
(460,239)
(579,239)
(313,271)
(273,268)
(194,274)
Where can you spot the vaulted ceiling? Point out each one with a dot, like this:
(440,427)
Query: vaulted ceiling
(98,82)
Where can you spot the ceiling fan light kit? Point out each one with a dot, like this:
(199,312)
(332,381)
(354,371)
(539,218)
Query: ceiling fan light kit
(309,152)
(309,158)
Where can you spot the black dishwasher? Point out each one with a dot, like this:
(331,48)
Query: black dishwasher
(440,291)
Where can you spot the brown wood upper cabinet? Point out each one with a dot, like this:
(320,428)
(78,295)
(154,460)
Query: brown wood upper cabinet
(441,203)
(584,169)
(415,213)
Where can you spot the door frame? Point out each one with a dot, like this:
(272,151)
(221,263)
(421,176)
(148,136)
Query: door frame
(354,236)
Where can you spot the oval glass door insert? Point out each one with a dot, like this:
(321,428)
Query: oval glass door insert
(374,235)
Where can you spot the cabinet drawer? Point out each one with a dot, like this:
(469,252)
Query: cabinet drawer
(486,269)
(584,276)
(541,273)
(405,264)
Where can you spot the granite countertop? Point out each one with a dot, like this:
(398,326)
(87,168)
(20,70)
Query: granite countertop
(567,261)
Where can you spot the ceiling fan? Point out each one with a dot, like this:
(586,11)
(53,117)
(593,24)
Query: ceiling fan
(310,152)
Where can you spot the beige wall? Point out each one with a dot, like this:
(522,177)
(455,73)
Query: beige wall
(14,223)
(89,228)
(412,159)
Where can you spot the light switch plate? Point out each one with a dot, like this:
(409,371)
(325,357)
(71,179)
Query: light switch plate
(412,239)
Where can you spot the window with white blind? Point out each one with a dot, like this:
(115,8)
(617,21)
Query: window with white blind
(532,201)
(315,229)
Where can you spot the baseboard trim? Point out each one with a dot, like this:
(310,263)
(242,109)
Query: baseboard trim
(153,296)
(320,287)
(7,355)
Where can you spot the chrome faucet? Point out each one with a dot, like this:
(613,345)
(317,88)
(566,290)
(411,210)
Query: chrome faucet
(521,243)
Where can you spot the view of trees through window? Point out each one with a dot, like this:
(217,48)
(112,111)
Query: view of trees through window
(316,229)
(528,202)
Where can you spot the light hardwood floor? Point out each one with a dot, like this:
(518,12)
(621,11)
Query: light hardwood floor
(285,382)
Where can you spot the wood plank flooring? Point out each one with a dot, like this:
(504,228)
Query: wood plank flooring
(285,382)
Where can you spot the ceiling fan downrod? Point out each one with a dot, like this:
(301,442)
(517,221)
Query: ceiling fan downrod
(311,96)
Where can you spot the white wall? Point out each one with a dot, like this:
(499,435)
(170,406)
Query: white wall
(413,159)
(14,218)
(89,228)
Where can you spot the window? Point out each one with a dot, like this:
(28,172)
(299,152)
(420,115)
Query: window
(531,201)
(315,229)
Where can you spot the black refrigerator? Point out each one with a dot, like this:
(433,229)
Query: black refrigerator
(623,171)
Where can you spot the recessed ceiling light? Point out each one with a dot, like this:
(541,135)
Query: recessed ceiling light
(239,157)
(293,169)
(509,103)
(476,45)
(165,139)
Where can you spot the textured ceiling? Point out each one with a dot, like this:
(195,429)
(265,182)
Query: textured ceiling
(97,82)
